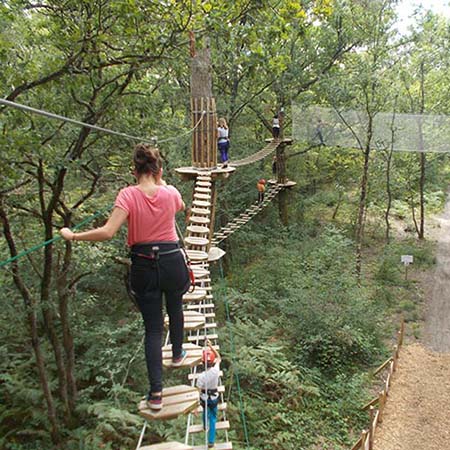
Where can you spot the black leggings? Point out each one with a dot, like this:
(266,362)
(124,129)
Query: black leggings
(149,280)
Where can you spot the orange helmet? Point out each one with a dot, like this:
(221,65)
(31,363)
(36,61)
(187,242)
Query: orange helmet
(208,357)
(262,181)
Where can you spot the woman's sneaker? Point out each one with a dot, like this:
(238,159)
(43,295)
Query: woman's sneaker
(154,402)
(177,362)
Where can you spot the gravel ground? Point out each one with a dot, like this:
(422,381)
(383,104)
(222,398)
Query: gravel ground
(417,413)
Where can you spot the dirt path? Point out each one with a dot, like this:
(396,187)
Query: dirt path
(437,317)
(417,414)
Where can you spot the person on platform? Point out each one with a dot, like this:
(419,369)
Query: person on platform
(261,187)
(157,264)
(276,127)
(223,141)
(208,382)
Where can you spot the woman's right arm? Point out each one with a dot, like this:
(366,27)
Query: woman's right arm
(117,218)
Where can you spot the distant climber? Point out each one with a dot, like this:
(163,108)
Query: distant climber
(276,127)
(261,186)
(223,141)
(208,382)
(157,264)
(319,132)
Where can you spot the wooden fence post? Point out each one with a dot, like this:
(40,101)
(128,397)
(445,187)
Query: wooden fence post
(381,404)
(371,436)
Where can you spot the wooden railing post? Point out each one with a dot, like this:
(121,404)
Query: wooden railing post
(381,404)
(364,439)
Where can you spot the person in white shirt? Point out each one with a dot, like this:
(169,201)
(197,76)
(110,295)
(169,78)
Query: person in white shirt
(208,382)
(275,127)
(223,141)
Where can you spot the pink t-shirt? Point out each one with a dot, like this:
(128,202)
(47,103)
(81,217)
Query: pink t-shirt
(150,218)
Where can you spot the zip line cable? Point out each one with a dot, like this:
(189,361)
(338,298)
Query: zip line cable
(49,115)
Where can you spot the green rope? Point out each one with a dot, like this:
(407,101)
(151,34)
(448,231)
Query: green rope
(233,360)
(56,238)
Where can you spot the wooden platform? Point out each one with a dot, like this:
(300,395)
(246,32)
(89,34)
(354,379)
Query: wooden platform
(177,400)
(193,357)
(192,320)
(192,173)
(217,446)
(287,185)
(167,446)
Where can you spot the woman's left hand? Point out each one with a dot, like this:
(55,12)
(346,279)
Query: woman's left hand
(67,234)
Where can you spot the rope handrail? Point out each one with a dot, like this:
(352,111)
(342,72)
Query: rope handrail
(50,241)
(267,150)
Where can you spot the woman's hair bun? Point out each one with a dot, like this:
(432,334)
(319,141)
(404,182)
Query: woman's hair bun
(147,160)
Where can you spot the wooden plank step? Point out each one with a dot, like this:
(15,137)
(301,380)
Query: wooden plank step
(217,446)
(200,272)
(194,376)
(201,211)
(195,296)
(202,337)
(204,281)
(193,357)
(200,196)
(201,203)
(220,425)
(204,190)
(198,241)
(199,220)
(193,320)
(198,229)
(197,255)
(167,446)
(200,306)
(203,183)
(204,178)
(220,407)
(177,400)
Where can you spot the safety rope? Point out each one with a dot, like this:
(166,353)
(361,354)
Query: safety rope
(50,115)
(56,238)
(233,359)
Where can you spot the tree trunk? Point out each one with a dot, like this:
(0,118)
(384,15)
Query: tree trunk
(361,208)
(63,304)
(421,232)
(33,327)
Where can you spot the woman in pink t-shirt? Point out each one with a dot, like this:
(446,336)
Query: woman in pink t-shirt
(157,265)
